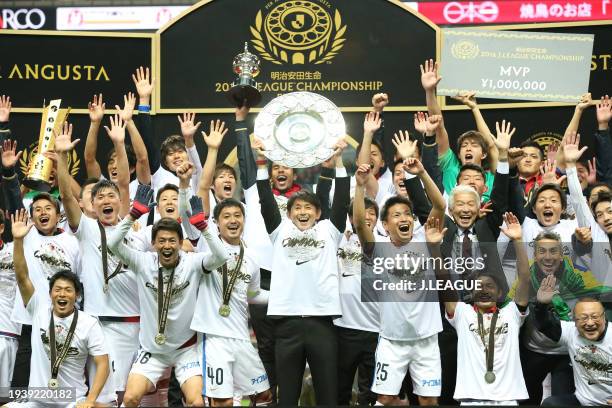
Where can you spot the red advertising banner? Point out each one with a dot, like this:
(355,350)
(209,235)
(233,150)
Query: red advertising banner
(515,11)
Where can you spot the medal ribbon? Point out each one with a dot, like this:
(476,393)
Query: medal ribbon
(490,350)
(163,300)
(228,288)
(107,277)
(56,360)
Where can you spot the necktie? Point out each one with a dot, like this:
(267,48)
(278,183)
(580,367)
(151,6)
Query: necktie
(466,245)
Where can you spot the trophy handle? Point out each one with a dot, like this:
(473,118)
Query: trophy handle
(239,93)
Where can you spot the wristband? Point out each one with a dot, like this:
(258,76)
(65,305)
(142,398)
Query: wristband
(138,209)
(261,162)
(199,221)
(144,108)
(8,172)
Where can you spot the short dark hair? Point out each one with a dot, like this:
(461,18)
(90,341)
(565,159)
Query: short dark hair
(597,185)
(171,144)
(88,181)
(166,187)
(373,143)
(545,187)
(501,284)
(221,167)
(369,203)
(479,138)
(166,224)
(67,276)
(472,166)
(103,184)
(391,201)
(534,144)
(306,196)
(45,196)
(131,155)
(603,197)
(228,202)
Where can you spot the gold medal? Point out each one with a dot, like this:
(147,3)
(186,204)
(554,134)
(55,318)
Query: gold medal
(489,377)
(224,310)
(160,338)
(105,288)
(53,384)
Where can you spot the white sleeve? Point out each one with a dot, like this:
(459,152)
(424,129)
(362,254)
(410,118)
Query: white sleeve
(579,202)
(131,257)
(218,254)
(96,341)
(33,304)
(257,295)
(456,318)
(567,331)
(194,157)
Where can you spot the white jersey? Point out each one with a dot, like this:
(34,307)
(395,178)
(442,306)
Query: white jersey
(161,177)
(88,340)
(8,289)
(305,270)
(185,283)
(592,362)
(121,298)
(206,318)
(408,315)
(509,383)
(45,255)
(357,313)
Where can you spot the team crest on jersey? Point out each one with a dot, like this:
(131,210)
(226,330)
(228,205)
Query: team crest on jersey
(52,258)
(177,289)
(303,245)
(596,363)
(60,338)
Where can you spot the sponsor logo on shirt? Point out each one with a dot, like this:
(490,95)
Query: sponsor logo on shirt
(177,289)
(596,363)
(60,338)
(52,258)
(499,330)
(259,379)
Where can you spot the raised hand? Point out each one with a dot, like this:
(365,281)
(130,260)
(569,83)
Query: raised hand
(198,219)
(426,124)
(63,141)
(515,154)
(188,127)
(485,209)
(548,169)
(571,149)
(504,136)
(429,75)
(215,136)
(185,171)
(585,102)
(5,108)
(336,155)
(371,123)
(96,108)
(129,102)
(604,110)
(405,147)
(547,290)
(434,233)
(258,145)
(9,157)
(379,101)
(144,86)
(551,153)
(362,174)
(584,235)
(20,224)
(117,129)
(467,98)
(413,166)
(513,228)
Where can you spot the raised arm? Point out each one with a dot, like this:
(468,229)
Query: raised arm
(10,181)
(434,234)
(213,140)
(117,135)
(218,253)
(20,226)
(469,100)
(585,102)
(5,113)
(269,207)
(339,209)
(514,231)
(366,237)
(603,142)
(438,203)
(499,195)
(143,171)
(429,80)
(379,101)
(63,146)
(572,154)
(545,320)
(428,125)
(144,88)
(188,130)
(96,113)
(246,160)
(371,124)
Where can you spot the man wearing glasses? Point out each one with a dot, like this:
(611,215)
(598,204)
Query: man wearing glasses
(588,343)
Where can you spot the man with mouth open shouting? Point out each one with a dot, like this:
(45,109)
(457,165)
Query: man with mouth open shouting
(167,287)
(62,337)
(109,286)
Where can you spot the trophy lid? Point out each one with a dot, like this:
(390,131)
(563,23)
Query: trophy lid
(246,62)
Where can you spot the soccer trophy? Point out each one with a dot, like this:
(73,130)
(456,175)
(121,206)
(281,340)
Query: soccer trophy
(244,88)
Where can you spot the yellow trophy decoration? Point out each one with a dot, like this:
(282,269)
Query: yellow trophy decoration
(40,168)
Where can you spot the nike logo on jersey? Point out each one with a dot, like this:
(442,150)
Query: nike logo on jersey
(301,262)
(346,275)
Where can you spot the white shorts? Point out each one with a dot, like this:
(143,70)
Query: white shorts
(185,361)
(122,345)
(8,352)
(395,357)
(231,367)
